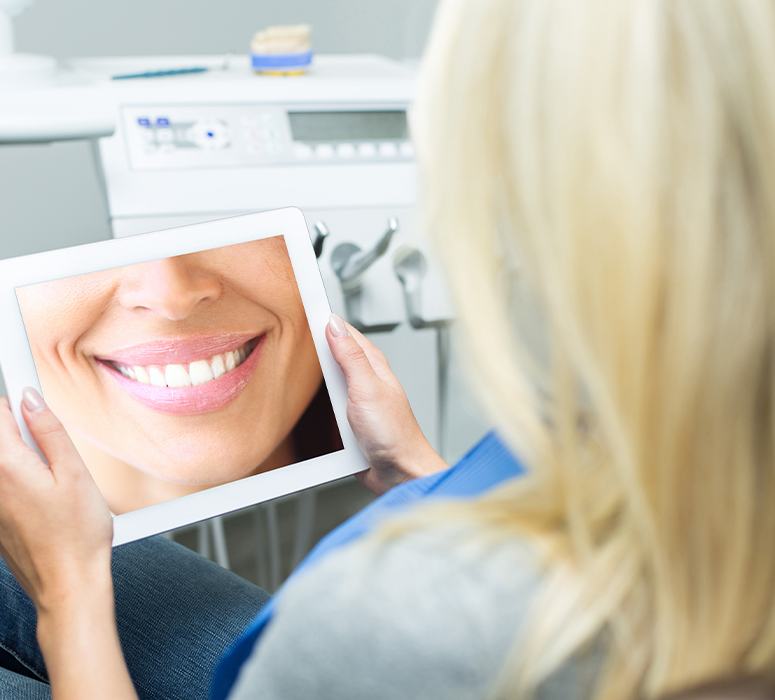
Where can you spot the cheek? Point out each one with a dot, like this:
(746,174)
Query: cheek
(51,341)
(59,313)
(293,323)
(280,297)
(260,271)
(55,324)
(35,312)
(303,368)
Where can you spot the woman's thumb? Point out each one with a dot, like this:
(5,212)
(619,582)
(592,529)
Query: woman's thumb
(48,432)
(346,350)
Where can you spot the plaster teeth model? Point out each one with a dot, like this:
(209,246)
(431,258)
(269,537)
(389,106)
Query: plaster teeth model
(282,50)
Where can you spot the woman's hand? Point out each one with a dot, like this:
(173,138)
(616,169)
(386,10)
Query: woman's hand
(55,535)
(55,528)
(379,413)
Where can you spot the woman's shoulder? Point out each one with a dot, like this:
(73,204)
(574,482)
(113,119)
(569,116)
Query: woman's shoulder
(445,559)
(431,613)
(425,574)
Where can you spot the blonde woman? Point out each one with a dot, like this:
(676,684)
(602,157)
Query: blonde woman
(607,168)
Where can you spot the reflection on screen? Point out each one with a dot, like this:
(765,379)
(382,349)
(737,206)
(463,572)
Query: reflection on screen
(182,373)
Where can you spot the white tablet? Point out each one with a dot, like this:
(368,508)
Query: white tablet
(189,366)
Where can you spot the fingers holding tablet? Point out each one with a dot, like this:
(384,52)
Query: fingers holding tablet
(54,523)
(379,412)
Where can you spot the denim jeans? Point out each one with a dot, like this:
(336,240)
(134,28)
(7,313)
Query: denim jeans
(177,614)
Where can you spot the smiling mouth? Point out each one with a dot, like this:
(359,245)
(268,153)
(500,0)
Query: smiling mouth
(193,373)
(194,379)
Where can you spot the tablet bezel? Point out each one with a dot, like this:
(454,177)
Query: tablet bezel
(19,368)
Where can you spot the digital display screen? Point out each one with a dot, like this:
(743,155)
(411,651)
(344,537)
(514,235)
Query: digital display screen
(348,126)
(179,374)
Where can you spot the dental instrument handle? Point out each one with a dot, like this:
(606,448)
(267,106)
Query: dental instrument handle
(410,266)
(353,262)
(321,233)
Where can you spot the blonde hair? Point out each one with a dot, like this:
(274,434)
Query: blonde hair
(617,159)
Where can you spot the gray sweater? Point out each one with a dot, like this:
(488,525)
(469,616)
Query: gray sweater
(432,614)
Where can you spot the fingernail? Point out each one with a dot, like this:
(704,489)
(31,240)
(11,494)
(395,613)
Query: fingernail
(336,324)
(32,400)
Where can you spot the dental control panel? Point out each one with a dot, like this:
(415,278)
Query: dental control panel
(255,135)
(335,143)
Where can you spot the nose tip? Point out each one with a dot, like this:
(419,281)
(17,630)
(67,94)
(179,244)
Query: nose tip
(172,288)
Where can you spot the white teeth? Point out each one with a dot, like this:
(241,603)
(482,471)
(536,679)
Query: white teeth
(156,376)
(141,374)
(193,374)
(217,365)
(176,375)
(200,372)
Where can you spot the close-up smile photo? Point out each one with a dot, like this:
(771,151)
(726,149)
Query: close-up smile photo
(179,374)
(407,350)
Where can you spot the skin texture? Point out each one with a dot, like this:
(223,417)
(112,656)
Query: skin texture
(137,454)
(55,528)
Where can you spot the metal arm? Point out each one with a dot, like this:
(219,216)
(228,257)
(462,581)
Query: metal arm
(349,262)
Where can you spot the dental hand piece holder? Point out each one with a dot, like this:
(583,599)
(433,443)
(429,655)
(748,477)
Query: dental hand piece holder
(410,267)
(349,262)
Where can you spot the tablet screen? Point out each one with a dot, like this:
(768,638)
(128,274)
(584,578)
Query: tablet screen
(183,373)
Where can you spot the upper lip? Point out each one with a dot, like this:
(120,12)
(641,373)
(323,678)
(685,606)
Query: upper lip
(177,350)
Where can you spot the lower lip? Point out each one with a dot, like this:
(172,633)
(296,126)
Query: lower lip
(191,400)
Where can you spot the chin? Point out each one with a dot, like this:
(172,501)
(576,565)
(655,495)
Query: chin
(205,473)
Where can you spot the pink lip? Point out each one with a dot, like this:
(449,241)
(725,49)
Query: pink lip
(188,400)
(178,350)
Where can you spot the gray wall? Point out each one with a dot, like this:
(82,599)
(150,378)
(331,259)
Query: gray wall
(50,195)
(67,28)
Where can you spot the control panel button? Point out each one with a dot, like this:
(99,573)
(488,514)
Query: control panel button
(210,134)
(407,149)
(388,150)
(324,150)
(145,122)
(367,150)
(259,135)
(302,150)
(345,150)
